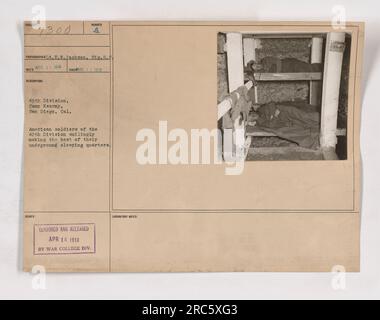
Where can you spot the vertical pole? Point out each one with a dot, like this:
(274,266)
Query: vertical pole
(235,65)
(249,50)
(235,60)
(331,85)
(316,57)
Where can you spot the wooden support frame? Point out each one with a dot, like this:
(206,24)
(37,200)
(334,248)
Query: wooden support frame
(315,87)
(249,50)
(235,63)
(335,43)
(237,58)
(223,108)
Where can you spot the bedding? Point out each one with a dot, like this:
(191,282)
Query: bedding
(297,122)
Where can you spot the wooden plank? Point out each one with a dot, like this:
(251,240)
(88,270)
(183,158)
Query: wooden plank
(235,62)
(249,50)
(294,76)
(260,133)
(315,91)
(248,34)
(247,145)
(224,107)
(331,84)
(315,88)
(316,50)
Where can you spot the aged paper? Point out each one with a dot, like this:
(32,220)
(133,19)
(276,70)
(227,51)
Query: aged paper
(128,165)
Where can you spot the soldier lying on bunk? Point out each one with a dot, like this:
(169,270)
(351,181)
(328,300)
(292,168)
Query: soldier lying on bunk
(286,65)
(297,122)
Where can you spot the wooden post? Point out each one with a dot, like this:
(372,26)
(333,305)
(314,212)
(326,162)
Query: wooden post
(249,50)
(330,94)
(316,57)
(235,63)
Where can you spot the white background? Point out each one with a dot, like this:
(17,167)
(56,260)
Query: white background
(16,284)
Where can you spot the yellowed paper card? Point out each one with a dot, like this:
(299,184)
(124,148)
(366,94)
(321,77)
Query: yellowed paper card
(192,146)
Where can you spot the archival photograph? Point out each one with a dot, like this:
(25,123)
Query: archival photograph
(285,93)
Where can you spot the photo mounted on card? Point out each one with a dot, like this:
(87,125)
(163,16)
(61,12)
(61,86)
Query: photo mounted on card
(192,146)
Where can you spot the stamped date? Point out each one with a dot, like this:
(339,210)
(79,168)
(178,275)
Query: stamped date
(63,239)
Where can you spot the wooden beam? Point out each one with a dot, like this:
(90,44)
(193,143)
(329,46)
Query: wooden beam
(235,65)
(248,34)
(315,88)
(316,50)
(224,107)
(294,76)
(331,84)
(249,50)
(260,133)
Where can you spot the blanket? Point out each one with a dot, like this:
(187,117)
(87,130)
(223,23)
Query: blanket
(297,123)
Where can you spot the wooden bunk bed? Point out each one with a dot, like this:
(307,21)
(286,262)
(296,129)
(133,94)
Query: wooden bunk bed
(241,49)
